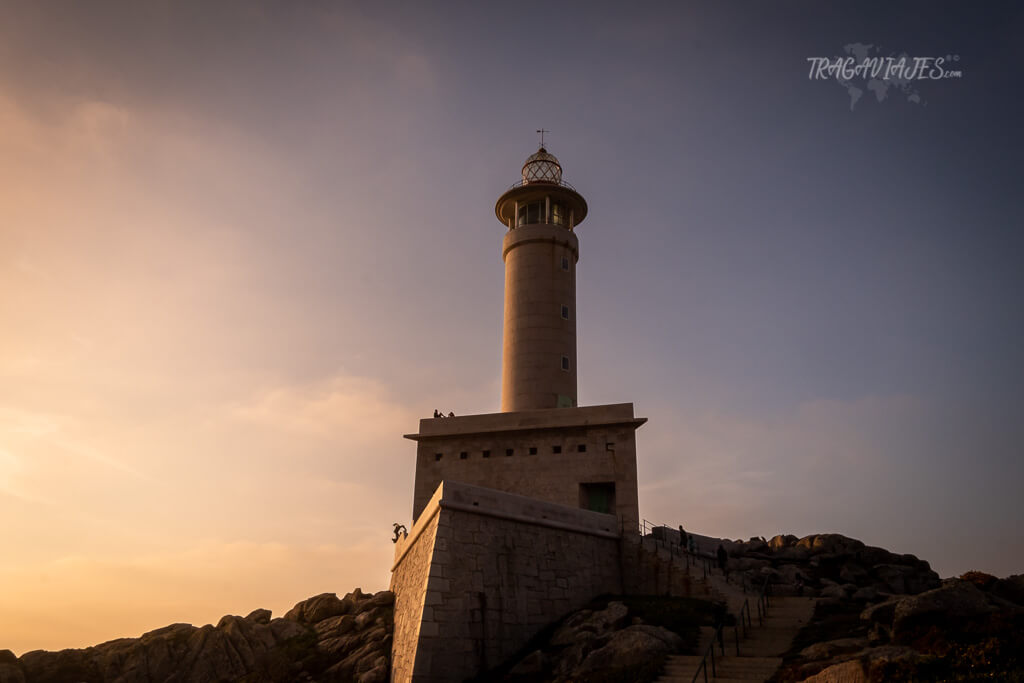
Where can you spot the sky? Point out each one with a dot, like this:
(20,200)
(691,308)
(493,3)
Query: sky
(245,246)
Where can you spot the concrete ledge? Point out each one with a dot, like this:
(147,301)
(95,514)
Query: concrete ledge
(550,418)
(452,495)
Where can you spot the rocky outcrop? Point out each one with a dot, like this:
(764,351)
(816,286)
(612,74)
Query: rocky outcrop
(828,565)
(320,639)
(964,626)
(608,644)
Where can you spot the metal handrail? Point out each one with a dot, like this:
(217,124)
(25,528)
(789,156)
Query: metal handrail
(559,183)
(710,652)
(762,601)
(647,529)
(745,619)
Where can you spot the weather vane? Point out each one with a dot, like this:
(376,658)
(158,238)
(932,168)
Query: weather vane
(542,131)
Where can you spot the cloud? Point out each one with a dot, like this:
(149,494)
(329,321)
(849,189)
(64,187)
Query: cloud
(344,407)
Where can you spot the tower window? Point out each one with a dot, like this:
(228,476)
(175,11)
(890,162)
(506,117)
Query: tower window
(556,449)
(486,454)
(438,456)
(565,363)
(463,455)
(558,213)
(531,213)
(509,451)
(533,450)
(565,312)
(565,263)
(582,448)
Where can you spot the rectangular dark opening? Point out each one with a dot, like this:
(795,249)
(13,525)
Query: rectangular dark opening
(582,448)
(556,449)
(486,454)
(437,456)
(508,452)
(598,496)
(533,450)
(463,455)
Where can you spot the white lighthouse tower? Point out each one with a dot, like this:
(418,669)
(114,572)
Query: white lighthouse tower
(540,251)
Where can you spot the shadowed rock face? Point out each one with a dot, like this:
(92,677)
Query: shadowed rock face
(829,565)
(320,639)
(961,628)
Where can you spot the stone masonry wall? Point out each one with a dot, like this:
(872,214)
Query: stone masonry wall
(502,567)
(409,584)
(521,453)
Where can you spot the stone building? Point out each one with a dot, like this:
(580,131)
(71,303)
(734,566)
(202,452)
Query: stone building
(519,517)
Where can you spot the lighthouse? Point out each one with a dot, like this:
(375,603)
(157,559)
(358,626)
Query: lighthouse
(543,445)
(540,251)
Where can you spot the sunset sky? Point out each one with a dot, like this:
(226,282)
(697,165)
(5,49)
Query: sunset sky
(245,246)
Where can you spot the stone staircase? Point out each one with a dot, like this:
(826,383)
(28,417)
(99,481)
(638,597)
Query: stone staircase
(760,652)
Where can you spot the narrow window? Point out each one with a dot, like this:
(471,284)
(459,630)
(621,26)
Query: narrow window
(565,263)
(557,213)
(533,450)
(582,448)
(565,363)
(508,452)
(463,455)
(437,456)
(556,449)
(486,454)
(565,312)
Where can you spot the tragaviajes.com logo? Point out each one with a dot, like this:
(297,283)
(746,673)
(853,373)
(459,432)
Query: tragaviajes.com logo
(865,68)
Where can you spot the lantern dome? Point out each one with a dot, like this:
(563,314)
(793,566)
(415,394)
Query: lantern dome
(542,167)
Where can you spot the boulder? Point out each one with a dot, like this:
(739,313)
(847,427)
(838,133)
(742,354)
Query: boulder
(10,672)
(611,617)
(955,600)
(832,648)
(317,608)
(792,554)
(377,674)
(1011,588)
(757,545)
(866,594)
(285,629)
(853,573)
(335,626)
(259,616)
(891,578)
(847,672)
(379,599)
(55,667)
(833,591)
(881,613)
(829,543)
(627,653)
(782,541)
